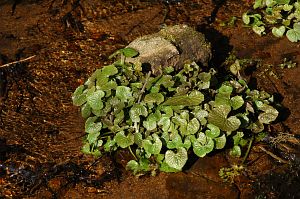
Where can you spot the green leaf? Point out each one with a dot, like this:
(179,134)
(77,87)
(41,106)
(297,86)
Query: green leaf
(78,98)
(93,137)
(150,123)
(213,131)
(136,111)
(201,148)
(293,35)
(164,167)
(94,99)
(86,111)
(237,102)
(109,70)
(269,115)
(165,123)
(166,81)
(260,30)
(138,139)
(246,18)
(236,151)
(152,147)
(278,32)
(235,67)
(176,160)
(91,126)
(124,141)
(220,142)
(110,143)
(257,4)
(175,141)
(193,126)
(123,93)
(133,166)
(184,100)
(218,117)
(129,52)
(154,98)
(237,138)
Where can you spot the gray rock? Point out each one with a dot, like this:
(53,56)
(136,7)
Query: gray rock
(172,46)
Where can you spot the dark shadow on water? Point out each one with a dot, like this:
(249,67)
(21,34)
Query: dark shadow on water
(219,44)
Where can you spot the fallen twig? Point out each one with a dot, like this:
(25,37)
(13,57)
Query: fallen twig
(273,155)
(16,62)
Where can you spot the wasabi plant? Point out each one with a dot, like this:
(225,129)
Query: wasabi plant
(163,119)
(281,17)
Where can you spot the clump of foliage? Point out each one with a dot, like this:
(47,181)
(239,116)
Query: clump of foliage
(282,17)
(162,119)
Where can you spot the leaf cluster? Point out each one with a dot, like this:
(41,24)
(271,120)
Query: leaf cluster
(282,17)
(162,119)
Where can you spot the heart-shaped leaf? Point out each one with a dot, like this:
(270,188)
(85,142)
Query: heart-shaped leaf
(165,123)
(123,93)
(93,137)
(218,117)
(136,111)
(278,32)
(237,102)
(154,98)
(293,35)
(109,70)
(236,151)
(78,97)
(220,142)
(176,160)
(129,52)
(201,149)
(91,126)
(269,115)
(86,110)
(175,141)
(152,146)
(124,141)
(193,126)
(213,131)
(94,99)
(184,100)
(150,123)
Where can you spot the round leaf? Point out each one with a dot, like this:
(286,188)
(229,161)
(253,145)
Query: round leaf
(136,111)
(278,32)
(129,52)
(124,141)
(176,160)
(123,93)
(94,99)
(78,98)
(91,126)
(213,131)
(237,102)
(152,148)
(293,35)
(154,98)
(220,142)
(193,126)
(236,151)
(201,150)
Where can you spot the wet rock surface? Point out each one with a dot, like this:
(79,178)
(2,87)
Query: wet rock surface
(172,46)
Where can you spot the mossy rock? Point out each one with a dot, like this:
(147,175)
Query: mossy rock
(172,46)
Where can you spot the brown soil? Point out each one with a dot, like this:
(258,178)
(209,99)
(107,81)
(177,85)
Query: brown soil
(41,131)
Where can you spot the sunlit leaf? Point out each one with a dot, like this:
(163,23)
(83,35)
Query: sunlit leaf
(136,111)
(220,142)
(152,146)
(123,93)
(236,151)
(86,110)
(218,117)
(154,98)
(124,141)
(237,102)
(193,126)
(278,32)
(202,149)
(184,100)
(176,160)
(213,131)
(94,99)
(129,52)
(91,126)
(78,97)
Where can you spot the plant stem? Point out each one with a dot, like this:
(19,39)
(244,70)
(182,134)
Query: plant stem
(144,86)
(132,153)
(248,150)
